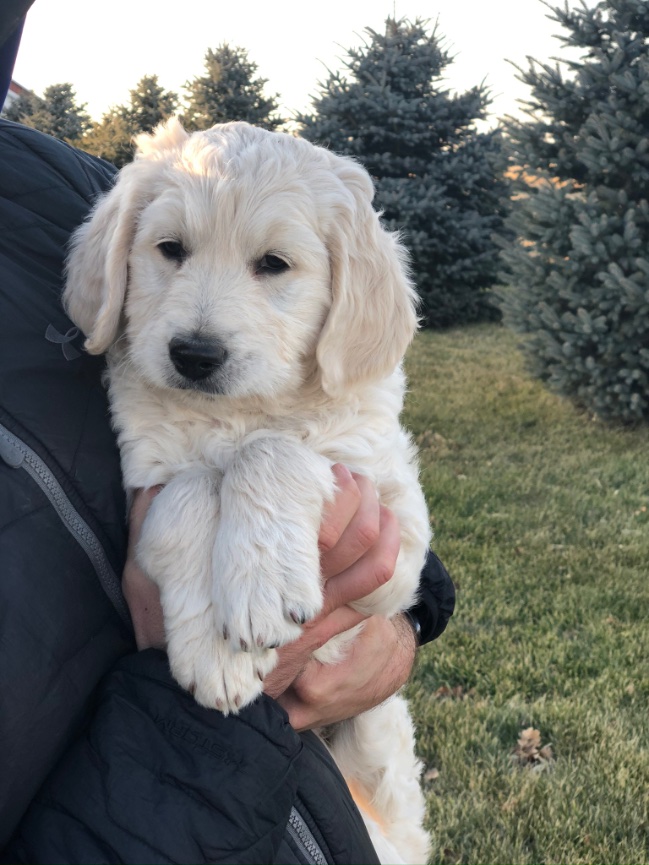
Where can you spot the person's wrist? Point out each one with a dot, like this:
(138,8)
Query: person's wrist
(406,650)
(415,625)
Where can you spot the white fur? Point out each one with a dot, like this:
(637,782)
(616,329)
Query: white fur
(312,377)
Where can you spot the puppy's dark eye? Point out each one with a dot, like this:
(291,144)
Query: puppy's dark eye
(173,250)
(270,264)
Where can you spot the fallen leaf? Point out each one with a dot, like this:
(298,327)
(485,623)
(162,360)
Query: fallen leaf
(530,752)
(434,442)
(455,693)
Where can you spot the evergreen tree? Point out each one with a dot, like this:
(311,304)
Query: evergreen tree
(150,104)
(580,267)
(437,178)
(112,137)
(55,113)
(229,91)
(18,110)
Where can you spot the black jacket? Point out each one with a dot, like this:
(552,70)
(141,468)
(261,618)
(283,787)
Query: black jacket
(103,758)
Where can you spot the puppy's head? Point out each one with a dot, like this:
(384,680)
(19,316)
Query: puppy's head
(235,261)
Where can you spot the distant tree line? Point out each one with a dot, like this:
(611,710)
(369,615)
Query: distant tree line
(439,181)
(544,220)
(229,90)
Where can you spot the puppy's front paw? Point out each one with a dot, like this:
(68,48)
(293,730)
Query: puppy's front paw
(265,561)
(218,677)
(262,598)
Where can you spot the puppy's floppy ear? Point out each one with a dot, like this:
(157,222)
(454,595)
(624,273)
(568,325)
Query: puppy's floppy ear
(97,267)
(372,318)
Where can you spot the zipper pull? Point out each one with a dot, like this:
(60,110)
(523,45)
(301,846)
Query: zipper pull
(11,453)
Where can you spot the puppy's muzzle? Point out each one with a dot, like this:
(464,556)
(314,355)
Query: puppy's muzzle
(196,358)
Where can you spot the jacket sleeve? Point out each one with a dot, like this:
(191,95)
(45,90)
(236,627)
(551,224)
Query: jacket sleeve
(436,600)
(157,778)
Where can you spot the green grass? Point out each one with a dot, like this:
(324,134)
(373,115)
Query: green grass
(541,513)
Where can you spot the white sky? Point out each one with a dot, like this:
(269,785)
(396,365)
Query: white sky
(103,48)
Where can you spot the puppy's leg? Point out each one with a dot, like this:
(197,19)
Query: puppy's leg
(266,563)
(375,753)
(175,550)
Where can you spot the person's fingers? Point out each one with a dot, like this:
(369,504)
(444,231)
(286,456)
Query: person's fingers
(376,665)
(330,625)
(360,533)
(371,571)
(338,514)
(369,537)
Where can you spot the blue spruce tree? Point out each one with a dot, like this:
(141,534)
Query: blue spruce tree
(437,178)
(579,269)
(229,91)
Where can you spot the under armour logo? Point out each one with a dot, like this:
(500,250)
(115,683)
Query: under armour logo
(64,340)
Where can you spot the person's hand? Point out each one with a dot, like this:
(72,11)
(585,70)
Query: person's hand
(378,663)
(142,595)
(359,543)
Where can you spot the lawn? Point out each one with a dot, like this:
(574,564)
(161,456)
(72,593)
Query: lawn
(541,513)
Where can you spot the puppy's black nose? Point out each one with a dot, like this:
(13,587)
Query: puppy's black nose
(196,357)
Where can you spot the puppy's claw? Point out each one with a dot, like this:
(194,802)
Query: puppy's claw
(298,618)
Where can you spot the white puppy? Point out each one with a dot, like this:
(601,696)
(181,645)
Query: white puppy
(255,314)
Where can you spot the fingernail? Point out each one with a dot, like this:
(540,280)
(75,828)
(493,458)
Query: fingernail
(342,472)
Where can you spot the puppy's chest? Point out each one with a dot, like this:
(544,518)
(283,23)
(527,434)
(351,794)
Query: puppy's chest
(159,436)
(156,450)
(155,446)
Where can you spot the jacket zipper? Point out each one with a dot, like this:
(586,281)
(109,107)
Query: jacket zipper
(17,454)
(303,838)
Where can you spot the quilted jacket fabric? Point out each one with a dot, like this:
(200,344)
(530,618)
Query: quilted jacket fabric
(103,758)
